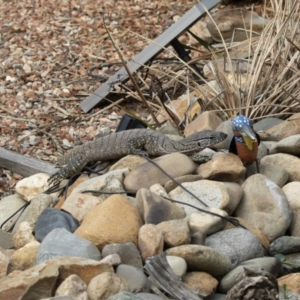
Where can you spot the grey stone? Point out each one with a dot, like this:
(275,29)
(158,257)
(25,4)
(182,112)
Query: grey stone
(268,264)
(211,193)
(34,209)
(6,241)
(285,245)
(207,223)
(225,127)
(289,145)
(66,297)
(135,278)
(8,206)
(60,242)
(293,258)
(238,244)
(147,296)
(148,174)
(108,182)
(265,206)
(124,296)
(52,218)
(275,173)
(266,123)
(289,162)
(155,209)
(217,297)
(128,253)
(202,259)
(198,238)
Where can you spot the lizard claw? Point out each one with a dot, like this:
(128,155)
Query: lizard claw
(54,179)
(142,153)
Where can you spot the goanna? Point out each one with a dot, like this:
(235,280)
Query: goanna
(135,141)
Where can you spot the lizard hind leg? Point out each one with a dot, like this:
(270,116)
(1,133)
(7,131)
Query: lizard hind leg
(75,165)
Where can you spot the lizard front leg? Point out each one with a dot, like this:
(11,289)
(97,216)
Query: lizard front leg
(76,163)
(135,145)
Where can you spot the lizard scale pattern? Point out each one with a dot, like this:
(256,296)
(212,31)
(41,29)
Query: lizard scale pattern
(135,141)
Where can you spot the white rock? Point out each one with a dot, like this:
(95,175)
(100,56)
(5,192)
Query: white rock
(207,223)
(177,264)
(33,185)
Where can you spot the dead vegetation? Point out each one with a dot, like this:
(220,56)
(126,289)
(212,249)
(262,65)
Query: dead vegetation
(55,54)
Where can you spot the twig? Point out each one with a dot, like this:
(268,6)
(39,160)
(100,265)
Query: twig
(129,73)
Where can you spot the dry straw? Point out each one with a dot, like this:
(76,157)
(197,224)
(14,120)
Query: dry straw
(258,77)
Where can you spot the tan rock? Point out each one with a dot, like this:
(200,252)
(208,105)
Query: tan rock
(202,282)
(200,30)
(105,285)
(179,107)
(171,185)
(81,178)
(144,176)
(291,282)
(158,190)
(207,223)
(73,286)
(35,283)
(289,162)
(129,161)
(39,281)
(286,128)
(86,269)
(4,260)
(24,257)
(115,220)
(111,259)
(23,235)
(175,232)
(292,190)
(238,18)
(151,241)
(108,182)
(205,121)
(155,209)
(33,185)
(78,204)
(223,167)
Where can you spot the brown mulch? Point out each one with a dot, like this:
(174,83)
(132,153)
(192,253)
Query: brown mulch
(47,50)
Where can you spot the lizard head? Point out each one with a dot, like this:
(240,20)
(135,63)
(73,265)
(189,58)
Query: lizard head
(203,139)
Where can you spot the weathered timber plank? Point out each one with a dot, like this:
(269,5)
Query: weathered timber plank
(24,165)
(153,49)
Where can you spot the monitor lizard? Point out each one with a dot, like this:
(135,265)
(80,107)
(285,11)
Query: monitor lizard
(143,142)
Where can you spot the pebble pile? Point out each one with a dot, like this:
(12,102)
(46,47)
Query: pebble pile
(94,245)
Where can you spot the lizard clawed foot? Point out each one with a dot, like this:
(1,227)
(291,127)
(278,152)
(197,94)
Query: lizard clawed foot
(55,179)
(140,153)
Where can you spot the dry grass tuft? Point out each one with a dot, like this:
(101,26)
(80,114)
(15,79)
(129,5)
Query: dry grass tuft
(271,84)
(258,77)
